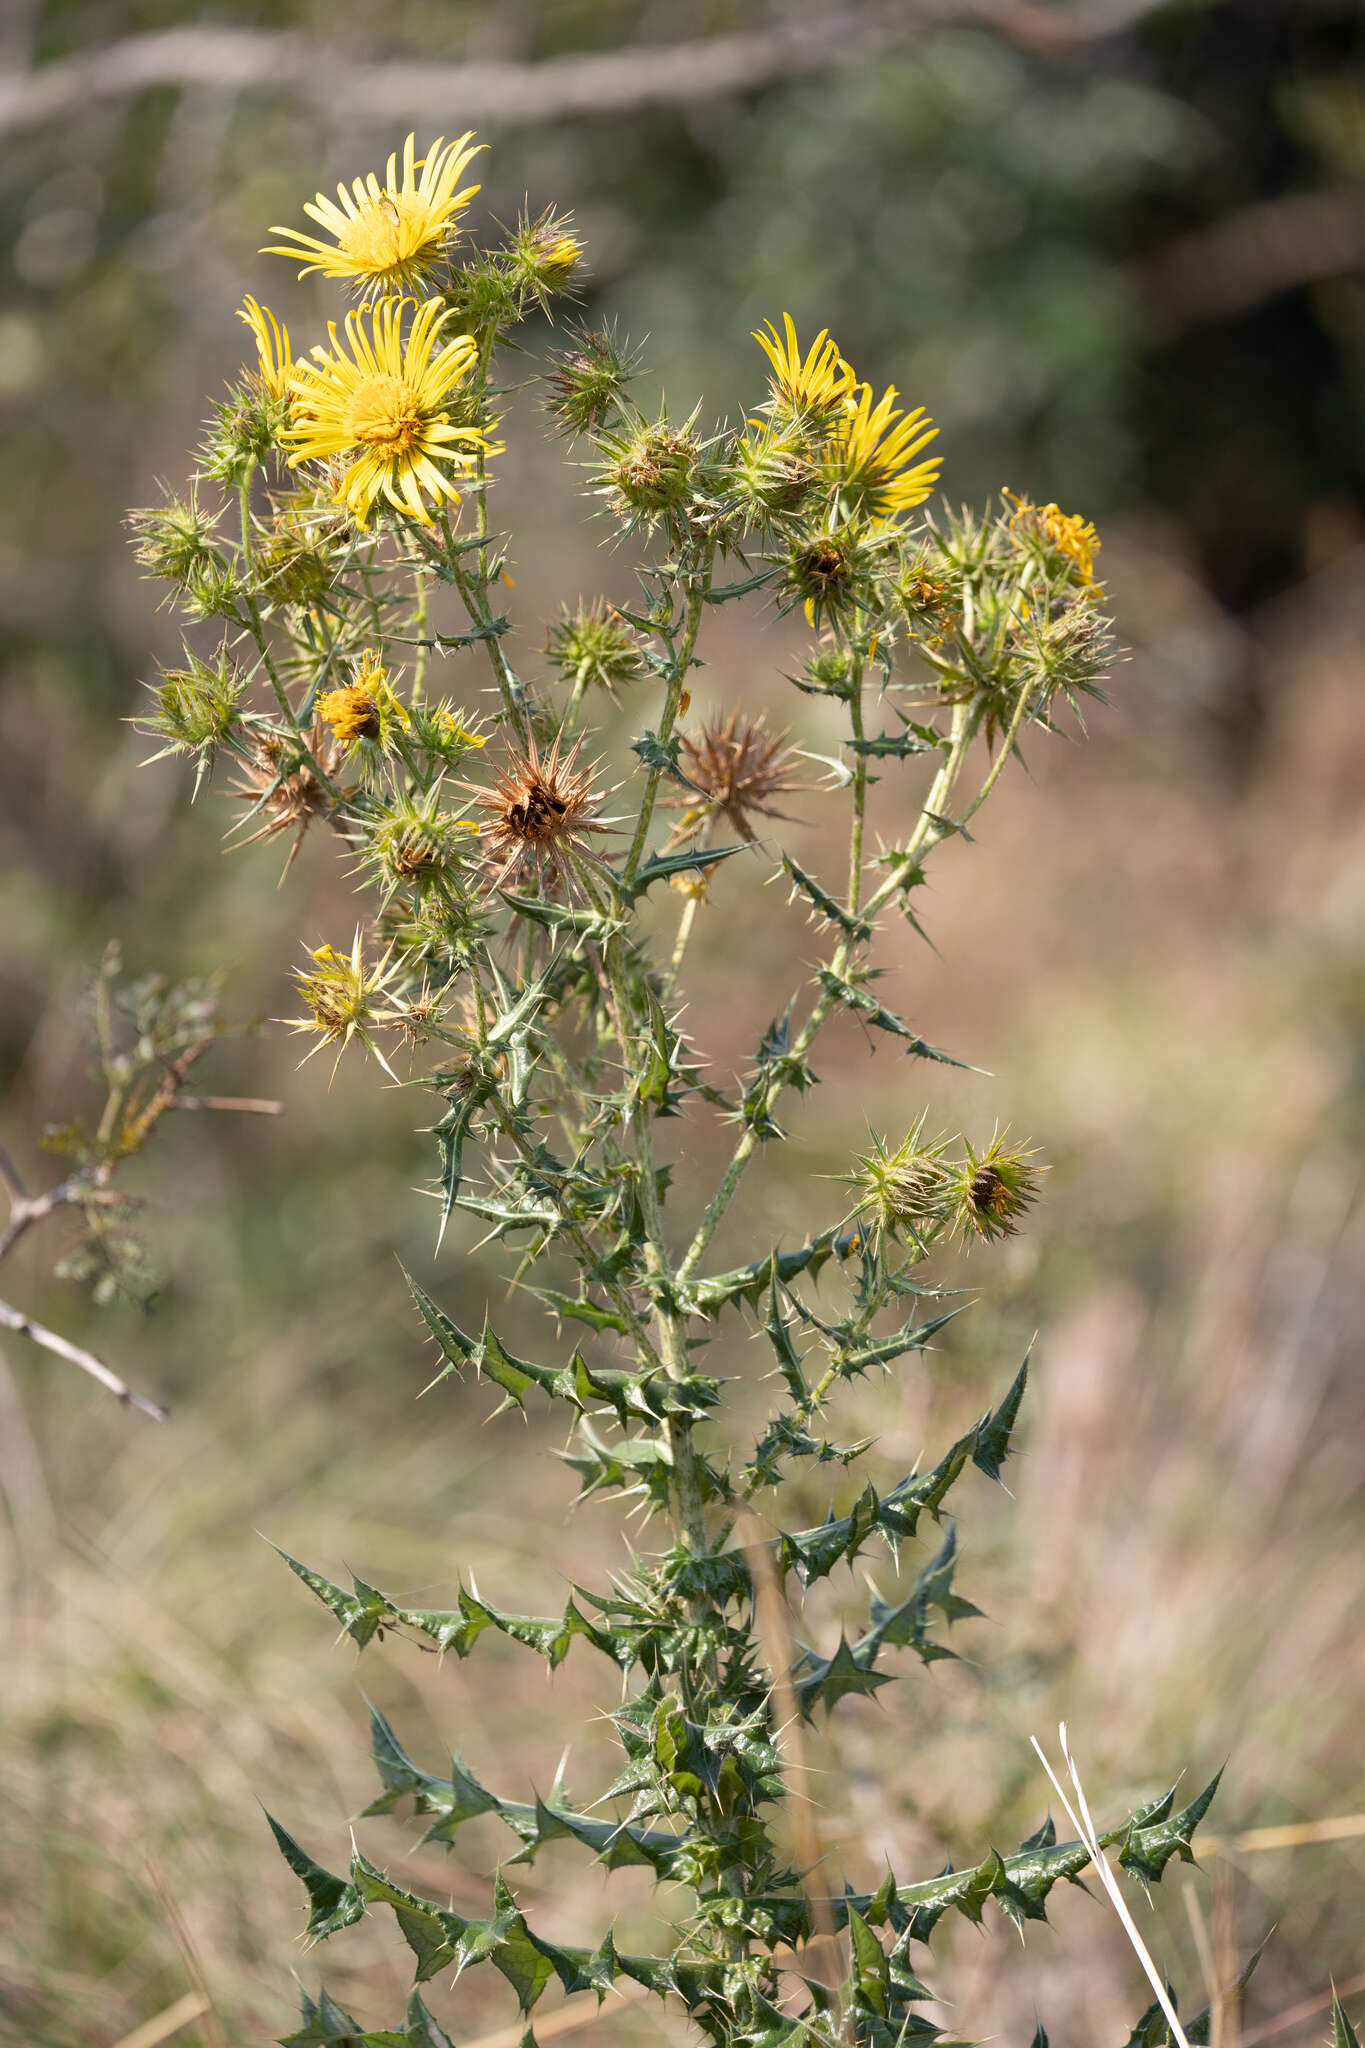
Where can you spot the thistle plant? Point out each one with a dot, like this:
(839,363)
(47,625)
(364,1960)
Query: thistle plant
(530,888)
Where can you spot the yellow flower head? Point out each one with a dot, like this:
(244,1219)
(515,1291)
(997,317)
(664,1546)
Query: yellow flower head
(869,457)
(377,398)
(275,358)
(365,708)
(347,997)
(817,382)
(1066,532)
(391,235)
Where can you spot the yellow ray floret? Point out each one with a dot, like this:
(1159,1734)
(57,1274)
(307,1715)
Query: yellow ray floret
(869,456)
(815,382)
(275,358)
(377,398)
(390,235)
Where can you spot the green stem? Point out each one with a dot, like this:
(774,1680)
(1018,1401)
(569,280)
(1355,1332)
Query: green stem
(927,832)
(698,583)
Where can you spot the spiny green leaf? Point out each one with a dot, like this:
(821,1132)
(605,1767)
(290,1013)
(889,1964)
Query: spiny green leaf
(1343,2033)
(433,1933)
(564,917)
(325,2024)
(865,1005)
(1148,1849)
(824,905)
(333,1901)
(994,1432)
(724,592)
(660,866)
(360,1613)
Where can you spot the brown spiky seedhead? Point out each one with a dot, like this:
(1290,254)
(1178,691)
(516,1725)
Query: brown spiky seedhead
(283,791)
(539,816)
(739,767)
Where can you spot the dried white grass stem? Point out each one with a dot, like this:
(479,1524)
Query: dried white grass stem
(191,2007)
(24,1326)
(774,1633)
(1079,1816)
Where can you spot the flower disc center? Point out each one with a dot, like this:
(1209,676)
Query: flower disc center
(384,412)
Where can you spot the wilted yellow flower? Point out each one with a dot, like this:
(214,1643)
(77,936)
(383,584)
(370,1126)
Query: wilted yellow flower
(1067,532)
(816,382)
(870,451)
(275,358)
(346,998)
(390,235)
(377,398)
(365,708)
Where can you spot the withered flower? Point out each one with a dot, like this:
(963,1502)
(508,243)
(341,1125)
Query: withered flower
(540,814)
(739,766)
(286,798)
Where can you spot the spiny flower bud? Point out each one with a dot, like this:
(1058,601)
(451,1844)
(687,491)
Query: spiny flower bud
(196,707)
(244,429)
(992,1192)
(828,673)
(909,1190)
(441,730)
(649,471)
(544,256)
(830,572)
(593,644)
(174,540)
(415,845)
(589,378)
(770,473)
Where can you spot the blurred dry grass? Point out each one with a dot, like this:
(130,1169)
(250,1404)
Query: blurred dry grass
(1165,978)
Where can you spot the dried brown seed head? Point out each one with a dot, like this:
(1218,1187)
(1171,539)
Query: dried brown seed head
(739,767)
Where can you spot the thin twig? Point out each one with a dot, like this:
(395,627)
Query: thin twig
(10,1175)
(243,1105)
(24,1326)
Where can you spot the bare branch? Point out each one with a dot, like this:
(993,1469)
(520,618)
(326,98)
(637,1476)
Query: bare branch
(242,1105)
(505,94)
(12,1178)
(1237,263)
(24,1326)
(25,1211)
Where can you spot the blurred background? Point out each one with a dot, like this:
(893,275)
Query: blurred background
(1115,248)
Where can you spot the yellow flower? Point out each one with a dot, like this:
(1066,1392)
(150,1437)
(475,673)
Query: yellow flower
(365,708)
(274,355)
(377,398)
(1067,532)
(447,728)
(869,453)
(389,235)
(345,996)
(816,382)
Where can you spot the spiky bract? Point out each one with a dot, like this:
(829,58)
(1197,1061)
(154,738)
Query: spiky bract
(540,815)
(739,767)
